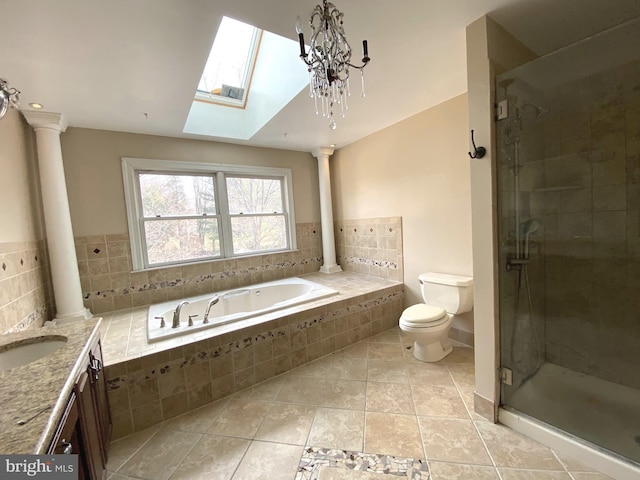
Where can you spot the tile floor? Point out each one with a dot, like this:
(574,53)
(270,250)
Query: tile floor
(371,403)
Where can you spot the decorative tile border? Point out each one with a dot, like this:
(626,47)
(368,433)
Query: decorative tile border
(108,283)
(193,281)
(371,246)
(314,458)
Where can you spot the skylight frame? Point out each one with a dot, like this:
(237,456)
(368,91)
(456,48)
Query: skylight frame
(207,97)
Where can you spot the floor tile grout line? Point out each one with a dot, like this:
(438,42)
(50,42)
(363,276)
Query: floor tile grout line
(185,456)
(459,390)
(562,463)
(475,427)
(235,470)
(138,449)
(424,447)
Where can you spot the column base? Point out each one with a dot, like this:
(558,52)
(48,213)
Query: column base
(84,314)
(330,268)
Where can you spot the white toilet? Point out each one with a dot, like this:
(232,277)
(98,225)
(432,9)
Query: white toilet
(427,324)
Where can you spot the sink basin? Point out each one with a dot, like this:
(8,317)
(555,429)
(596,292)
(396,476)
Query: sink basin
(23,352)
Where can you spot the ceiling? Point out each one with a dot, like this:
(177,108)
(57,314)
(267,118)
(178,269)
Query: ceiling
(133,66)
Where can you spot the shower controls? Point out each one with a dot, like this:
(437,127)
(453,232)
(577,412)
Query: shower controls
(506,376)
(502,110)
(516,263)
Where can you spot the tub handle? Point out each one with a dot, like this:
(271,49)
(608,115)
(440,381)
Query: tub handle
(191,317)
(162,323)
(235,293)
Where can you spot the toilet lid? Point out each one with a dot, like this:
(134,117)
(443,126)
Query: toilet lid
(423,315)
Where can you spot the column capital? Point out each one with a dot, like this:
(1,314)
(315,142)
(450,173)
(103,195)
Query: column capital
(54,121)
(322,152)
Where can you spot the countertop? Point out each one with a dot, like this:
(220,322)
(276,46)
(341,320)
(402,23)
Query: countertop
(41,389)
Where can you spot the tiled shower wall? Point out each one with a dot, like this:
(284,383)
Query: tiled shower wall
(26,295)
(586,190)
(108,283)
(371,246)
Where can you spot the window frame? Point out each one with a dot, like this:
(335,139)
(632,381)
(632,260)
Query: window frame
(208,97)
(131,167)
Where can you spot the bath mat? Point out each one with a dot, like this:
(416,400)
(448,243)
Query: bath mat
(325,464)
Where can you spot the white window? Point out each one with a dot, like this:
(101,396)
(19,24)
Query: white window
(186,212)
(226,77)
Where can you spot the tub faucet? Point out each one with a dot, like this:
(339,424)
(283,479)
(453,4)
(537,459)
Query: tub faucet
(211,303)
(176,314)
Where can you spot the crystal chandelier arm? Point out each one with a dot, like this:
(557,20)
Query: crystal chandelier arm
(8,97)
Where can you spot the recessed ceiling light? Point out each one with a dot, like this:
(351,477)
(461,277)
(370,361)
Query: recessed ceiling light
(37,106)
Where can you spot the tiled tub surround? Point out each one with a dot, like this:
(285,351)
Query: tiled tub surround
(26,295)
(150,383)
(108,284)
(371,246)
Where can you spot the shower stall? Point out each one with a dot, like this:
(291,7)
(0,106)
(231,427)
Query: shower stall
(568,171)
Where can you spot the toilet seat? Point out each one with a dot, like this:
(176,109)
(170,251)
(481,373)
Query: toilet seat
(423,316)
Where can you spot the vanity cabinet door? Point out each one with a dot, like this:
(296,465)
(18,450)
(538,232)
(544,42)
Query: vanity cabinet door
(100,398)
(68,437)
(90,428)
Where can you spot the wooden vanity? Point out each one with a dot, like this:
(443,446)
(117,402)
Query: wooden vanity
(59,404)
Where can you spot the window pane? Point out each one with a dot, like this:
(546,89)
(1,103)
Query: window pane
(255,234)
(254,195)
(229,56)
(175,240)
(171,195)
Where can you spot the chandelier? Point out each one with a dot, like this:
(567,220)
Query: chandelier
(8,96)
(328,60)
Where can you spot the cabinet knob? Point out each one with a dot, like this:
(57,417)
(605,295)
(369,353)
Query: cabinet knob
(68,448)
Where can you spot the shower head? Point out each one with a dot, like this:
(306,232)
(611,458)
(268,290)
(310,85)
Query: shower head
(540,111)
(530,226)
(527,228)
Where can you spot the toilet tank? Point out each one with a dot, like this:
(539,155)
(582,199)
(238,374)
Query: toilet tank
(454,293)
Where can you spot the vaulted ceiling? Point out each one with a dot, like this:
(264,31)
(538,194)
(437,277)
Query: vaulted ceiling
(134,66)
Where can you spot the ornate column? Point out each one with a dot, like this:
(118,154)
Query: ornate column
(57,218)
(326,211)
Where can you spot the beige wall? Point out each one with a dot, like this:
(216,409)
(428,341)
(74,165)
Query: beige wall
(417,169)
(26,298)
(490,50)
(92,162)
(20,215)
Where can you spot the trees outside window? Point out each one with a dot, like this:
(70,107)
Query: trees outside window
(180,213)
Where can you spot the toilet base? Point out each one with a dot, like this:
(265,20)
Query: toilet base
(432,352)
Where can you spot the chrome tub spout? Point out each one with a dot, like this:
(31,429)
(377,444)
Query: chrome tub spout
(176,314)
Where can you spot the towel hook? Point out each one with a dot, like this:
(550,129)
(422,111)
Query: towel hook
(478,152)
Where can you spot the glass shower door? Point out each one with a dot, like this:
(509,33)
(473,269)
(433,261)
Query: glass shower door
(568,168)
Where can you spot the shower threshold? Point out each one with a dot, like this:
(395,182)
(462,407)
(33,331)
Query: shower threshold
(598,411)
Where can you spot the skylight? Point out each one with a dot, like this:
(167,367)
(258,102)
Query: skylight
(274,76)
(227,73)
